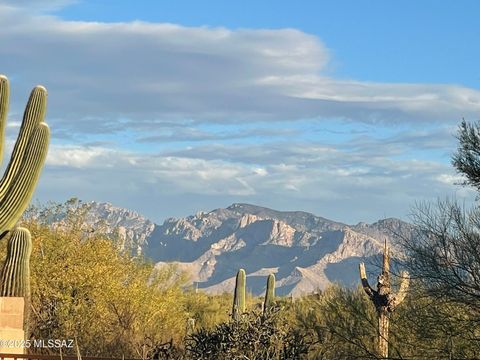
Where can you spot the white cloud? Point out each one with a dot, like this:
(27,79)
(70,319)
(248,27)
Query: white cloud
(451,179)
(79,157)
(171,174)
(29,3)
(37,5)
(107,77)
(332,187)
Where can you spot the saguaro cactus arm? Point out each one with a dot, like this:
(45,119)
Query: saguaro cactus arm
(4,101)
(386,259)
(239,296)
(402,292)
(269,294)
(28,156)
(366,286)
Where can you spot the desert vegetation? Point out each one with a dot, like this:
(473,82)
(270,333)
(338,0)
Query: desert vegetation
(115,303)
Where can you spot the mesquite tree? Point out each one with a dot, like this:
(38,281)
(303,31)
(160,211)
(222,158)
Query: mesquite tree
(384,300)
(466,160)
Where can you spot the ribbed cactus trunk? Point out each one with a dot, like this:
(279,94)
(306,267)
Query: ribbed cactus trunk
(269,294)
(384,300)
(239,295)
(383,323)
(15,276)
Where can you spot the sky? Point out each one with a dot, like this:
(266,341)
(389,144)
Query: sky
(345,109)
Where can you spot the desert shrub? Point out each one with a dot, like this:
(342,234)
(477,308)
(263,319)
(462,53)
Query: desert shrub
(253,336)
(208,310)
(342,324)
(112,302)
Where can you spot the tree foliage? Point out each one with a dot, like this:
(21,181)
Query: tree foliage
(114,303)
(341,324)
(467,158)
(443,253)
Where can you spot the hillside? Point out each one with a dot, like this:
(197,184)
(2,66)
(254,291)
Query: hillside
(306,252)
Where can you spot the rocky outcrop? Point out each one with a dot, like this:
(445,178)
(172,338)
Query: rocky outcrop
(127,228)
(306,252)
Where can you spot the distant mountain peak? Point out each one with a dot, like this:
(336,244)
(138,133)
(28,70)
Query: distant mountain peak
(256,209)
(306,252)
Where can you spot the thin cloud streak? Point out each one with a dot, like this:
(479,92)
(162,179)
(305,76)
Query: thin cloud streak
(321,179)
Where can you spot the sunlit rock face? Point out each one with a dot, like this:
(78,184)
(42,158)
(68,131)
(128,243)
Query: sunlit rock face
(306,252)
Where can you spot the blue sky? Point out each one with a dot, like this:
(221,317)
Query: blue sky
(409,41)
(345,109)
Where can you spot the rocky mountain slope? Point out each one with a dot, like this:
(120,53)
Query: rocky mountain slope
(129,229)
(306,252)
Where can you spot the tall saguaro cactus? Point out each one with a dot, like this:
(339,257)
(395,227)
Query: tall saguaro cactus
(384,300)
(239,296)
(269,294)
(17,186)
(29,153)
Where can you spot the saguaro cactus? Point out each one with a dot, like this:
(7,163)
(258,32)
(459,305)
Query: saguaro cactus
(20,178)
(239,296)
(384,300)
(269,294)
(15,276)
(16,189)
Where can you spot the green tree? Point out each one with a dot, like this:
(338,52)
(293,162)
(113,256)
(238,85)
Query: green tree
(467,157)
(113,303)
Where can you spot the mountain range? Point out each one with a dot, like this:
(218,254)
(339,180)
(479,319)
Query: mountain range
(306,252)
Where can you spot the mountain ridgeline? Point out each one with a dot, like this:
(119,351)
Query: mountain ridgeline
(306,252)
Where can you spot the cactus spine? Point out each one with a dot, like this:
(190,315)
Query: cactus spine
(15,276)
(29,153)
(269,294)
(384,300)
(239,296)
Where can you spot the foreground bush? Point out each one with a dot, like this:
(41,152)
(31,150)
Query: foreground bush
(341,324)
(113,303)
(253,336)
